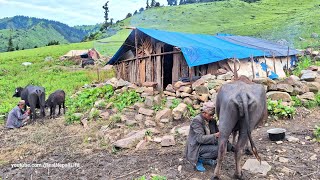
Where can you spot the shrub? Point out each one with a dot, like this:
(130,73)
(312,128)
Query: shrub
(278,110)
(125,99)
(175,103)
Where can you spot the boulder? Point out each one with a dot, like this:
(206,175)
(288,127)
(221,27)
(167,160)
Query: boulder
(178,84)
(169,88)
(208,77)
(254,167)
(169,93)
(313,68)
(185,89)
(221,71)
(307,96)
(150,123)
(157,99)
(147,112)
(226,76)
(198,83)
(138,105)
(184,94)
(178,112)
(163,114)
(149,101)
(150,84)
(313,86)
(131,122)
(285,88)
(131,139)
(201,90)
(203,97)
(308,75)
(139,117)
(277,95)
(187,100)
(168,140)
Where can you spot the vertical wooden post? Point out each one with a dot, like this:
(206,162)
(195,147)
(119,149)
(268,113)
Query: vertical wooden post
(274,63)
(137,59)
(288,59)
(252,66)
(158,66)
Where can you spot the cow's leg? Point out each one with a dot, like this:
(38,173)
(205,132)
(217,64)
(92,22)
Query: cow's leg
(59,109)
(32,113)
(54,110)
(221,152)
(64,108)
(242,140)
(42,101)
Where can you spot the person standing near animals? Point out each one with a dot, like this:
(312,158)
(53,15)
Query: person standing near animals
(17,118)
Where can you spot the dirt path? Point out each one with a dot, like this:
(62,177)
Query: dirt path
(57,143)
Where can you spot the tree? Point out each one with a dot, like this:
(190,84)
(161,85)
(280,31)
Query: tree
(153,3)
(111,21)
(141,9)
(157,4)
(135,12)
(147,7)
(106,14)
(128,15)
(17,47)
(10,45)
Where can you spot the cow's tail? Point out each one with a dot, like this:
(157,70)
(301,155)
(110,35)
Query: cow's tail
(39,93)
(245,100)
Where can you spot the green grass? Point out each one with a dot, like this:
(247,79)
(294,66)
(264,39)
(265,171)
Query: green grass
(52,75)
(268,19)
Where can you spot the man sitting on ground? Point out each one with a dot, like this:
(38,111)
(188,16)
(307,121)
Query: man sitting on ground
(17,118)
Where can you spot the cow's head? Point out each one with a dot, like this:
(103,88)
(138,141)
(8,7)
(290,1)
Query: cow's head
(18,92)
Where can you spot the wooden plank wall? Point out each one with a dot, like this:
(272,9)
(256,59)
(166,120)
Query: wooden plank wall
(176,69)
(158,66)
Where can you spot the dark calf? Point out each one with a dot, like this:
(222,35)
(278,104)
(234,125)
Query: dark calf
(240,106)
(56,98)
(34,97)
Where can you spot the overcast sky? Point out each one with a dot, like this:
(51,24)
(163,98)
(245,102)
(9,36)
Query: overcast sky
(71,12)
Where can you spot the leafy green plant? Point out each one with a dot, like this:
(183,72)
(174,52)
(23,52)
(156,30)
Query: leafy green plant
(296,101)
(175,103)
(310,104)
(192,112)
(158,107)
(278,110)
(316,133)
(302,64)
(85,100)
(125,99)
(157,177)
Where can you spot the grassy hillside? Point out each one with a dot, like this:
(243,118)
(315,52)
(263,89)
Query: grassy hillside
(269,19)
(28,32)
(52,75)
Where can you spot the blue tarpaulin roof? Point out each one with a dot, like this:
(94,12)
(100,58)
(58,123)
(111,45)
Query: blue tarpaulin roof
(199,49)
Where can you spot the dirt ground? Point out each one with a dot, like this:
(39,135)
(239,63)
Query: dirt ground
(55,142)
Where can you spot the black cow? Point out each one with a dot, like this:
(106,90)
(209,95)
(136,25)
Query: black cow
(86,62)
(56,98)
(240,106)
(34,97)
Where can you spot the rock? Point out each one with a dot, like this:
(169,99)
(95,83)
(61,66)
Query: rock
(168,141)
(295,78)
(179,168)
(184,94)
(214,97)
(185,89)
(157,99)
(314,35)
(198,83)
(165,120)
(313,157)
(313,68)
(307,96)
(184,131)
(150,84)
(157,139)
(169,93)
(26,63)
(287,171)
(204,97)
(149,101)
(147,112)
(279,142)
(140,89)
(84,122)
(277,95)
(138,105)
(163,114)
(253,166)
(130,140)
(313,86)
(179,111)
(283,160)
(285,88)
(208,77)
(308,75)
(226,76)
(307,138)
(139,117)
(142,145)
(187,100)
(105,115)
(150,123)
(131,122)
(121,83)
(169,88)
(292,139)
(201,90)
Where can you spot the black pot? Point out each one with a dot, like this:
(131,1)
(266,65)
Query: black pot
(276,134)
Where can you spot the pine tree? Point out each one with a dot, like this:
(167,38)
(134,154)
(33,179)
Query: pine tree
(10,45)
(106,14)
(147,7)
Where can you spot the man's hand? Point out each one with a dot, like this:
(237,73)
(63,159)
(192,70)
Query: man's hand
(217,135)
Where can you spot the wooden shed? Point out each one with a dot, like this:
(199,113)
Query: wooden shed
(164,57)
